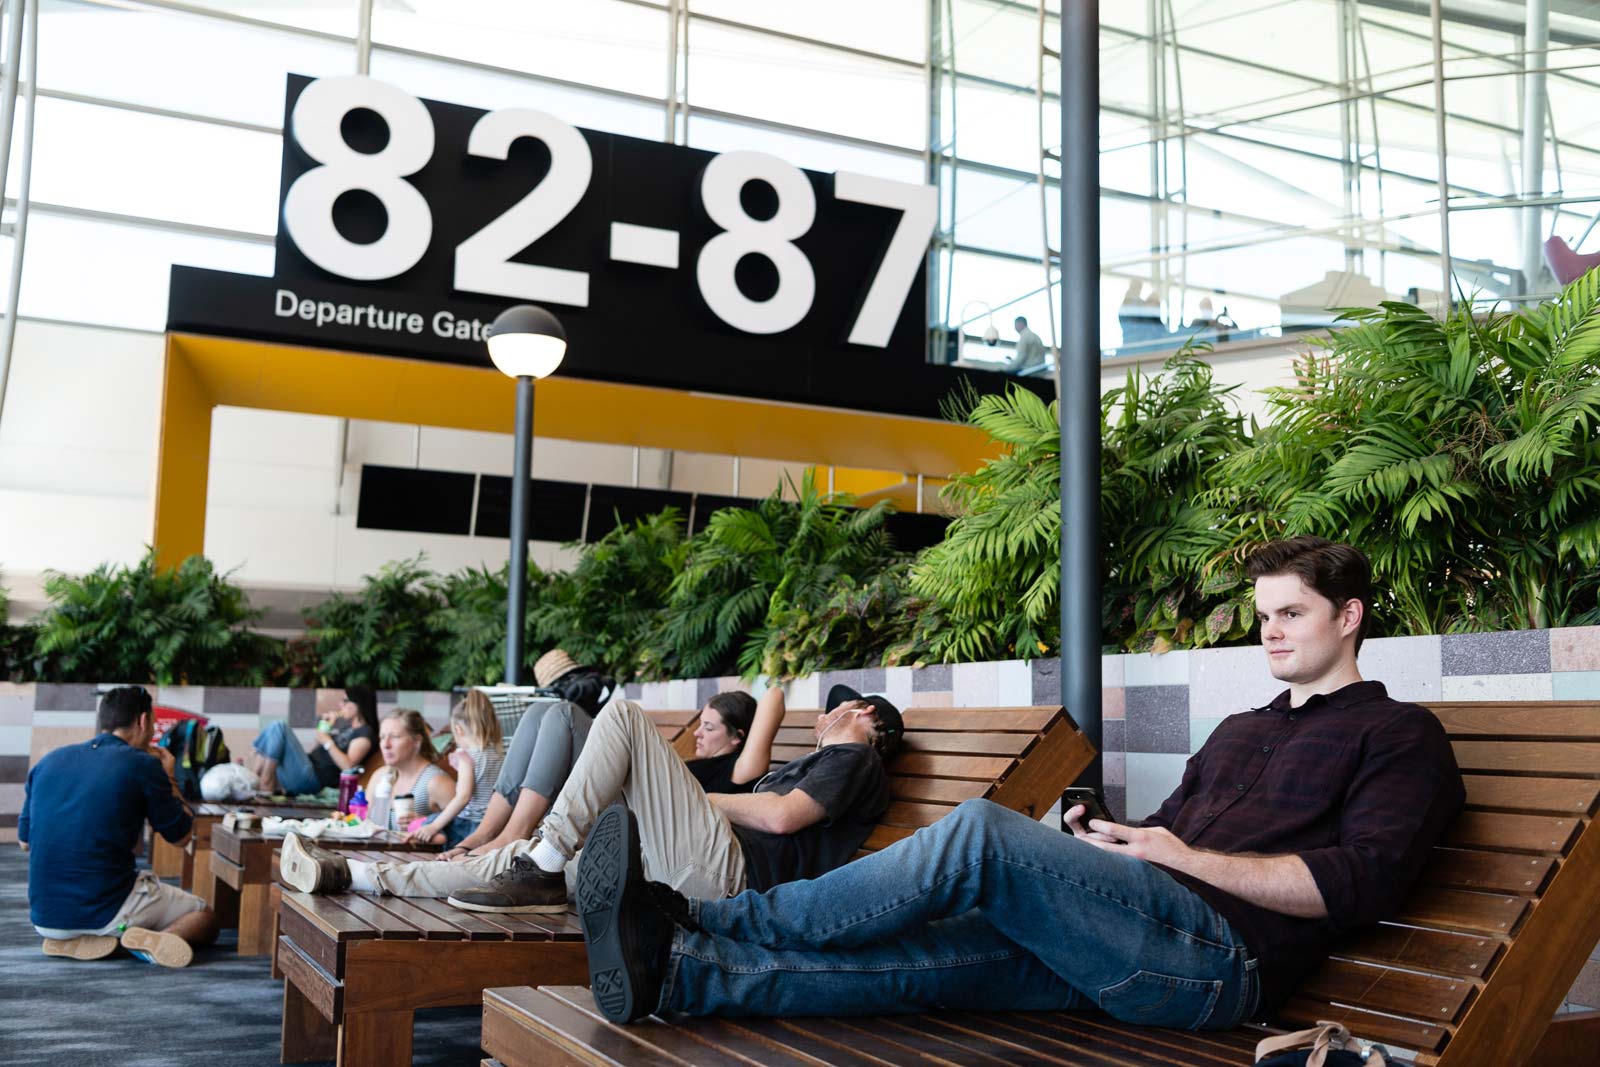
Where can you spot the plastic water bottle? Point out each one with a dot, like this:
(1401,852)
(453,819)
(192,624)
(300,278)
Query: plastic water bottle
(358,804)
(382,796)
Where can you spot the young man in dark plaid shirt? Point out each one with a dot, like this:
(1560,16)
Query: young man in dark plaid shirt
(1295,822)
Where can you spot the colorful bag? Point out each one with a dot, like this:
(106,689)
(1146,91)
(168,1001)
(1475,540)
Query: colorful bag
(195,748)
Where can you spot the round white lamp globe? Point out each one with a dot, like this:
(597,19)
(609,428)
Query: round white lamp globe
(527,341)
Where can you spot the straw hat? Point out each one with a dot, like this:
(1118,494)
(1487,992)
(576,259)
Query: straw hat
(552,665)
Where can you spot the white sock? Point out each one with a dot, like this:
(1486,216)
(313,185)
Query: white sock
(361,879)
(547,857)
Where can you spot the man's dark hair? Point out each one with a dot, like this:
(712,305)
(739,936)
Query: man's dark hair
(1339,572)
(121,708)
(738,711)
(1021,320)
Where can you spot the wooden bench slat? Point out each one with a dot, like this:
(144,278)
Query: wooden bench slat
(327,915)
(1575,719)
(1095,1040)
(1508,832)
(679,719)
(324,991)
(1029,720)
(407,913)
(1456,909)
(800,1043)
(578,1012)
(1488,872)
(957,743)
(560,926)
(1385,989)
(1299,1013)
(505,1036)
(902,813)
(885,1045)
(981,720)
(1553,796)
(473,926)
(390,926)
(934,790)
(883,836)
(1158,1044)
(517,927)
(1434,951)
(973,768)
(1001,1044)
(1565,759)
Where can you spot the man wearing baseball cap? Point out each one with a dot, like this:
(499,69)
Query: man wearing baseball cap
(801,820)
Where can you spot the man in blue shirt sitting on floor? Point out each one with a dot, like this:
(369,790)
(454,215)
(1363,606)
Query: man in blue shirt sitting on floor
(82,816)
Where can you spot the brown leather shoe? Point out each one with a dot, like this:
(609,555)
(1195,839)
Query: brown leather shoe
(308,867)
(522,887)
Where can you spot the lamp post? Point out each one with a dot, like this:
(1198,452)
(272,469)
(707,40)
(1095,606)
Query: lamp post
(525,343)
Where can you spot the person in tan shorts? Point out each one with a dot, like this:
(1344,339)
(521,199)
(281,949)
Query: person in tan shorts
(82,817)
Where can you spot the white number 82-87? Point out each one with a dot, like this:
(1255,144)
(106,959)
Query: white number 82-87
(483,261)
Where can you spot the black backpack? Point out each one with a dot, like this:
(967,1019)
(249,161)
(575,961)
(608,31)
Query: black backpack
(195,750)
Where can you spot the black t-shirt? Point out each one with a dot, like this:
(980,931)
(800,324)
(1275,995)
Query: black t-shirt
(322,763)
(849,782)
(715,774)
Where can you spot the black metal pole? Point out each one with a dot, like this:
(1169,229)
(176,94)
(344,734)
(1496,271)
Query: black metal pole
(521,475)
(1080,370)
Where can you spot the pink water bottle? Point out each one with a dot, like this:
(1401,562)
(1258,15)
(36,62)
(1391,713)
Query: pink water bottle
(349,782)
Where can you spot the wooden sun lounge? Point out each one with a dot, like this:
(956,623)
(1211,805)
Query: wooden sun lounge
(356,967)
(1469,975)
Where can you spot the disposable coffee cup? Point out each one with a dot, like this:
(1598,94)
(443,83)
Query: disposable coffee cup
(401,809)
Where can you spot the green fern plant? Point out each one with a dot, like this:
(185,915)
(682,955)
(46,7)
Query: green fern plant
(750,565)
(866,622)
(995,576)
(386,636)
(1460,454)
(1163,438)
(140,623)
(606,610)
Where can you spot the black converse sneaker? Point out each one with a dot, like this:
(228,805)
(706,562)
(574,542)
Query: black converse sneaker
(522,887)
(310,868)
(629,938)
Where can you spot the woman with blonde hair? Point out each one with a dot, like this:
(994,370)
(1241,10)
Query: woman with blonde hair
(476,754)
(411,766)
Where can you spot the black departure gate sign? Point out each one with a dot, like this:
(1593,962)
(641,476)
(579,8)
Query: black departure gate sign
(406,225)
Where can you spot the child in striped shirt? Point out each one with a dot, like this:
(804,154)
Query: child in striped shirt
(476,753)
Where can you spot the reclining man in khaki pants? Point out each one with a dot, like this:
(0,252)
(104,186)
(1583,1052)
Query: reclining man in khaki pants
(802,820)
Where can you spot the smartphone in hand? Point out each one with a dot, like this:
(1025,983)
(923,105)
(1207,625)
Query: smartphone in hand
(1090,799)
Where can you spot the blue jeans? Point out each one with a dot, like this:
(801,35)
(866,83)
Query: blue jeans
(459,830)
(984,910)
(295,773)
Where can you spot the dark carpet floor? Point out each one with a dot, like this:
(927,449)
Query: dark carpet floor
(223,1011)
